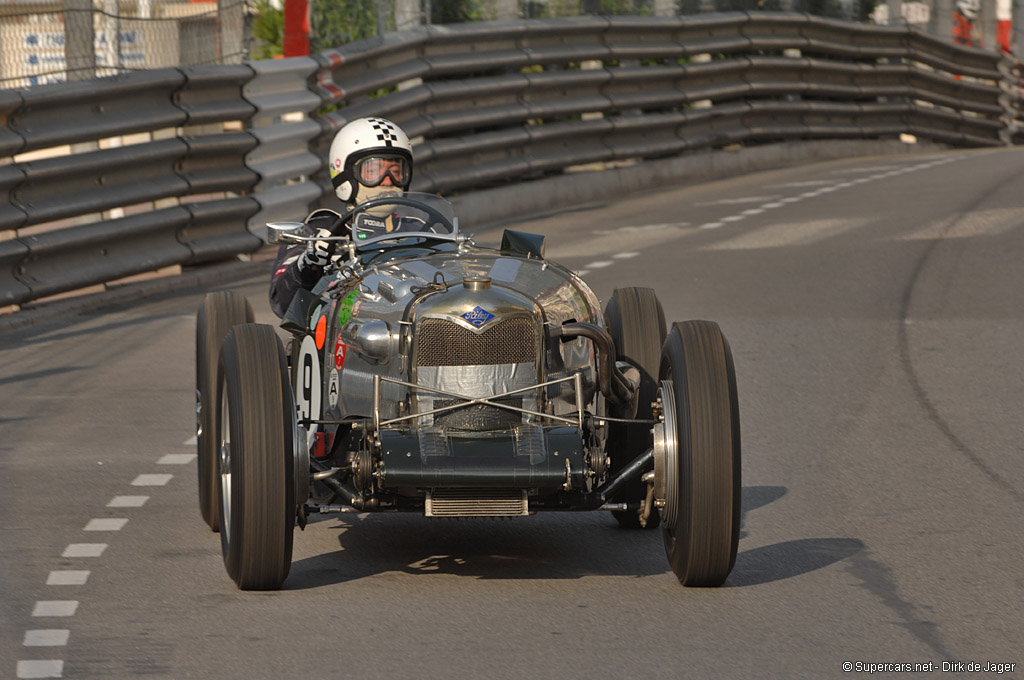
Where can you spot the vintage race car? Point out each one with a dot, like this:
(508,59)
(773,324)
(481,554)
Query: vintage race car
(430,374)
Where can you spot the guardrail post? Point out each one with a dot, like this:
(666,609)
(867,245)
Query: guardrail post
(79,40)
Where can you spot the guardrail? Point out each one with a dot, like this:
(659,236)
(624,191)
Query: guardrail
(201,158)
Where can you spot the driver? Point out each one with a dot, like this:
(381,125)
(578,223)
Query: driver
(369,158)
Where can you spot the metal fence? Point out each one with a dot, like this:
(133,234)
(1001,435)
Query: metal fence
(184,166)
(50,41)
(335,22)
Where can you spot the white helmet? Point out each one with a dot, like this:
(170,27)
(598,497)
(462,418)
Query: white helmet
(365,153)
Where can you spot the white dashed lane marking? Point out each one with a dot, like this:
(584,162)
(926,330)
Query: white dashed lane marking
(106,524)
(47,638)
(58,637)
(177,459)
(151,480)
(55,608)
(816,188)
(84,550)
(41,669)
(624,256)
(127,501)
(67,577)
(191,441)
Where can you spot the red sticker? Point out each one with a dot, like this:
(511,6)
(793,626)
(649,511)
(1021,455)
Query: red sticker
(280,271)
(321,331)
(339,353)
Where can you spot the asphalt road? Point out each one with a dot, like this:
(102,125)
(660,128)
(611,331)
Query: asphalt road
(875,312)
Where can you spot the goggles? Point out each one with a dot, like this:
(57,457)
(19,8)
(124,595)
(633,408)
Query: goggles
(371,170)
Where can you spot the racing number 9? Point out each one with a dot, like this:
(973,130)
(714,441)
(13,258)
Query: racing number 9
(307,387)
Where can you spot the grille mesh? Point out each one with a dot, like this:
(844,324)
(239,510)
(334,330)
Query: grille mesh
(440,342)
(476,503)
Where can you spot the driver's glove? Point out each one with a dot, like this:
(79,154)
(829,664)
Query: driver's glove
(318,253)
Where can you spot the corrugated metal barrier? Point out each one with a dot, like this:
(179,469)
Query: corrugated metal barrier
(184,166)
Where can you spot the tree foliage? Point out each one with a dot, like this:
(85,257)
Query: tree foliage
(336,22)
(267,31)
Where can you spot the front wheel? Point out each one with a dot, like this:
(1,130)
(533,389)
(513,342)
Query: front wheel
(697,454)
(256,458)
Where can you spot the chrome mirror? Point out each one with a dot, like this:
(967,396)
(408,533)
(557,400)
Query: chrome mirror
(278,232)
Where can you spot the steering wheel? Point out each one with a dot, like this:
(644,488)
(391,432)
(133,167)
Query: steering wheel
(434,216)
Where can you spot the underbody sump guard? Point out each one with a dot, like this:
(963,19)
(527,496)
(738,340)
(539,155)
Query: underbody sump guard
(546,459)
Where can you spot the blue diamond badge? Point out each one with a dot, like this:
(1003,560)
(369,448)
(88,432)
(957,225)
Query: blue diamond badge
(478,317)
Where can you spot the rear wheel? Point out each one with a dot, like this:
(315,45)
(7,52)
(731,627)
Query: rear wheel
(217,315)
(697,454)
(256,458)
(636,323)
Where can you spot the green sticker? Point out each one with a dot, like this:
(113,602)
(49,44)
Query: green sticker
(345,313)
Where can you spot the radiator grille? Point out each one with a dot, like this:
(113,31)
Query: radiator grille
(440,342)
(476,503)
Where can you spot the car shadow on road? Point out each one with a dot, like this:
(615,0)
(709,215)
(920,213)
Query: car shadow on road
(789,559)
(544,546)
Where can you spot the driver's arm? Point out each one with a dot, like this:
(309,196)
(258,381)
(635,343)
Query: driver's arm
(291,271)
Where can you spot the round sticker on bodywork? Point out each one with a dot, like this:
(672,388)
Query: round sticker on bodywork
(345,311)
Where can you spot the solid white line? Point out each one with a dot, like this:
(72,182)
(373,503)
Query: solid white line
(41,669)
(791,199)
(151,480)
(127,501)
(46,638)
(191,441)
(67,577)
(177,459)
(84,550)
(105,524)
(624,256)
(600,265)
(55,608)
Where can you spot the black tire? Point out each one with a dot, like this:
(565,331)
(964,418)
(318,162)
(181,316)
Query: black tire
(254,429)
(218,314)
(701,520)
(636,323)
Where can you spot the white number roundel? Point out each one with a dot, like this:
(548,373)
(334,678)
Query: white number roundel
(308,384)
